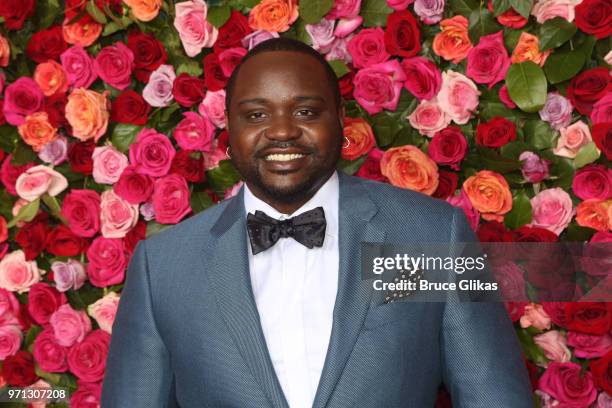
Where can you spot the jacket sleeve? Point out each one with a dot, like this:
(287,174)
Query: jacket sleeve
(138,372)
(482,361)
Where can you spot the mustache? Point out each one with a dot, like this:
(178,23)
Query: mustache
(284,145)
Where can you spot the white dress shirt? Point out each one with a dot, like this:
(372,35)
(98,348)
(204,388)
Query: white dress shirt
(295,291)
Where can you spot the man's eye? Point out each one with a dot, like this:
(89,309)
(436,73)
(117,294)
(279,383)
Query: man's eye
(305,112)
(256,115)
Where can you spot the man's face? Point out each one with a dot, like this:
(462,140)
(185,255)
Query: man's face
(284,127)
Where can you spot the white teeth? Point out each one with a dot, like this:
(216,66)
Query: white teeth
(283,157)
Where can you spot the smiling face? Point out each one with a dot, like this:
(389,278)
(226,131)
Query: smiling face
(285,130)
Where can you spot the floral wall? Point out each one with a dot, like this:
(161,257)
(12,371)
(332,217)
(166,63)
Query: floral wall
(112,129)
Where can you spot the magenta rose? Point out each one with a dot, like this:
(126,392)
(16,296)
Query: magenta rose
(589,345)
(43,301)
(48,353)
(195,132)
(108,259)
(504,96)
(602,109)
(87,360)
(87,395)
(114,64)
(22,98)
(534,168)
(134,187)
(367,47)
(152,153)
(566,383)
(593,181)
(171,199)
(423,79)
(448,147)
(81,207)
(488,62)
(69,326)
(78,66)
(378,87)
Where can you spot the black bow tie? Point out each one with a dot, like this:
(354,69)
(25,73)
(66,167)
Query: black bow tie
(307,228)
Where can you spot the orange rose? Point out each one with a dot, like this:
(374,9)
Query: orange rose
(273,15)
(51,78)
(87,113)
(489,193)
(83,32)
(37,131)
(408,167)
(528,49)
(5,52)
(453,43)
(360,138)
(596,214)
(144,10)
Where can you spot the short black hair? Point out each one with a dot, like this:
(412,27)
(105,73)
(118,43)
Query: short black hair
(284,44)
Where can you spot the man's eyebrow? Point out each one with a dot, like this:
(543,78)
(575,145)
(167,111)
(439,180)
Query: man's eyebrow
(300,98)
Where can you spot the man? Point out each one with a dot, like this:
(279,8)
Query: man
(240,307)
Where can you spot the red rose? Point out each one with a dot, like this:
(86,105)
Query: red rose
(130,107)
(32,237)
(370,169)
(493,231)
(495,133)
(43,301)
(148,52)
(47,44)
(232,32)
(213,74)
(589,87)
(602,372)
(595,17)
(447,184)
(133,187)
(346,85)
(402,36)
(81,207)
(448,147)
(188,90)
(566,383)
(87,359)
(18,370)
(15,12)
(139,232)
(87,395)
(49,355)
(2,118)
(602,136)
(107,261)
(509,18)
(10,172)
(63,242)
(55,106)
(189,164)
(589,317)
(79,156)
(534,234)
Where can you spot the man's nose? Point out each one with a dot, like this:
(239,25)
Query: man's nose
(283,127)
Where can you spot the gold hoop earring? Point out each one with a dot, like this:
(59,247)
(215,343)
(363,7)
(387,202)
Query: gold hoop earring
(227,152)
(348,143)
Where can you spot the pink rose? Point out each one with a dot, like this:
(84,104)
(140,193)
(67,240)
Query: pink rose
(147,211)
(566,383)
(458,96)
(17,274)
(55,152)
(104,311)
(81,207)
(117,216)
(429,11)
(9,305)
(39,180)
(589,345)
(158,91)
(213,107)
(321,35)
(254,38)
(554,346)
(43,301)
(593,181)
(195,32)
(87,395)
(339,50)
(344,9)
(429,118)
(552,209)
(108,259)
(108,164)
(462,201)
(10,340)
(68,275)
(344,27)
(535,316)
(48,353)
(378,87)
(152,153)
(134,187)
(604,400)
(194,132)
(87,359)
(548,9)
(534,168)
(602,110)
(69,326)
(504,96)
(399,5)
(171,199)
(557,110)
(572,139)
(114,64)
(448,147)
(423,78)
(22,98)
(367,48)
(79,67)
(488,62)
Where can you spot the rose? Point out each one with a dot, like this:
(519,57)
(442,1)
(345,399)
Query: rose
(566,383)
(447,184)
(604,400)
(504,96)
(117,216)
(43,301)
(423,78)
(339,49)
(188,90)
(273,15)
(509,18)
(17,274)
(557,111)
(458,96)
(32,236)
(527,233)
(378,86)
(15,12)
(588,87)
(18,370)
(229,59)
(528,49)
(594,17)
(81,207)
(544,10)
(36,131)
(232,32)
(107,261)
(87,113)
(429,11)
(130,107)
(534,168)
(108,164)
(79,156)
(195,32)
(554,345)
(86,395)
(462,201)
(402,36)
(370,169)
(254,38)
(87,360)
(488,62)
(589,345)
(321,35)
(572,139)
(68,275)
(448,147)
(5,55)
(10,340)
(408,167)
(9,173)
(593,182)
(22,98)
(213,107)
(495,133)
(51,78)
(50,355)
(489,193)
(46,44)
(602,110)
(587,317)
(453,42)
(114,65)
(399,4)
(367,48)
(134,187)
(171,199)
(61,241)
(69,326)
(152,153)
(552,210)
(104,311)
(158,91)
(9,306)
(192,168)
(344,9)
(214,77)
(535,315)
(429,118)
(602,372)
(360,138)
(144,10)
(55,106)
(594,214)
(85,31)
(602,136)
(78,66)
(149,54)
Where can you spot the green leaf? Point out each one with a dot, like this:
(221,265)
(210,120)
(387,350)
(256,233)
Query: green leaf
(578,233)
(531,350)
(350,167)
(527,86)
(539,134)
(312,11)
(26,213)
(482,23)
(562,173)
(339,68)
(500,6)
(23,154)
(52,378)
(523,7)
(561,66)
(374,13)
(223,177)
(199,201)
(218,16)
(555,32)
(586,46)
(9,136)
(114,26)
(123,136)
(464,7)
(520,214)
(6,204)
(189,66)
(95,13)
(31,335)
(54,206)
(587,154)
(46,11)
(385,126)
